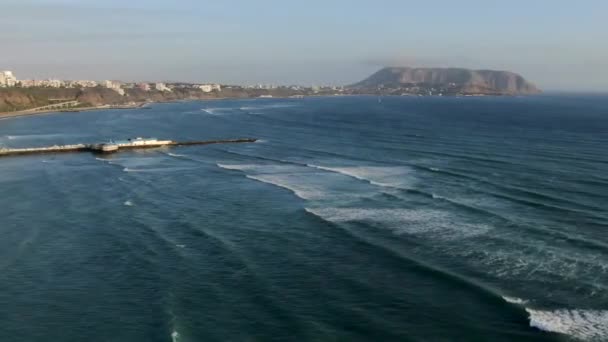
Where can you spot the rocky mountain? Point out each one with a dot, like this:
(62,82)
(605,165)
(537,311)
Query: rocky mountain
(448,80)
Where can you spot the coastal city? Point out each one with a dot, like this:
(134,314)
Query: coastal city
(9,80)
(34,95)
(26,96)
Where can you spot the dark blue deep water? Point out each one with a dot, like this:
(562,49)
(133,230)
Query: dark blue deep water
(352,219)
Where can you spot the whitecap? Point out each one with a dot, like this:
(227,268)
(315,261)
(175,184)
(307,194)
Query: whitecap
(176,155)
(128,203)
(261,168)
(303,191)
(216,111)
(161,169)
(514,300)
(385,176)
(587,325)
(175,336)
(270,106)
(238,167)
(438,224)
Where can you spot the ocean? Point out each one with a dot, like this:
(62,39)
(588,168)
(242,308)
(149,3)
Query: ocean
(350,219)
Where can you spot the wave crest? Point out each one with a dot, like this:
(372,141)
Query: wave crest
(587,325)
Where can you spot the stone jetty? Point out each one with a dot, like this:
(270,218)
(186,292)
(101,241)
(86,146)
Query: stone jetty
(115,146)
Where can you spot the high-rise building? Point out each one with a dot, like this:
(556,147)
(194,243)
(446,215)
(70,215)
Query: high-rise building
(7,79)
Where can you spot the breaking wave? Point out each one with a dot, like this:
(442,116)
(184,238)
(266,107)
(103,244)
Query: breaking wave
(586,325)
(385,176)
(175,155)
(437,223)
(302,191)
(161,169)
(269,106)
(515,300)
(217,111)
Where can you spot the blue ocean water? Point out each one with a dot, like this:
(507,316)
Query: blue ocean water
(351,219)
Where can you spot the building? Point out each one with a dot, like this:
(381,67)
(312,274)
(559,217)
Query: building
(7,79)
(111,84)
(207,88)
(114,85)
(52,83)
(161,87)
(143,86)
(81,84)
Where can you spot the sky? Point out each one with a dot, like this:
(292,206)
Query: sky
(556,44)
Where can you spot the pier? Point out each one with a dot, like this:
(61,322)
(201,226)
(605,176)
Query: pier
(112,147)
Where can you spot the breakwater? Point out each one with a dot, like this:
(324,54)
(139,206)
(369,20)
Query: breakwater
(111,147)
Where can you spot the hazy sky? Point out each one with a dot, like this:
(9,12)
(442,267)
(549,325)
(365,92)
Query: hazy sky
(557,44)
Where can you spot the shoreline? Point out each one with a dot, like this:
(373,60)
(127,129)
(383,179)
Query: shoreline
(142,105)
(30,112)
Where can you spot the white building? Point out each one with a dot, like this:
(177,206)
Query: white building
(161,87)
(207,88)
(52,83)
(82,84)
(7,79)
(114,85)
(111,84)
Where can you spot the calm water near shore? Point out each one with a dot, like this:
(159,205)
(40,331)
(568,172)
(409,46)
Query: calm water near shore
(352,219)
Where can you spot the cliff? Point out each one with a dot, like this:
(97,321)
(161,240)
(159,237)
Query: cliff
(18,99)
(451,80)
(15,99)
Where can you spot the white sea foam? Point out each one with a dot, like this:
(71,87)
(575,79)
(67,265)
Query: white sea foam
(303,191)
(434,169)
(128,203)
(238,167)
(438,224)
(586,325)
(175,336)
(270,106)
(385,176)
(302,181)
(217,111)
(438,196)
(262,168)
(175,155)
(160,169)
(514,300)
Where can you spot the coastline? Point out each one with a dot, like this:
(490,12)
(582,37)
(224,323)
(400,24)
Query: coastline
(31,112)
(138,105)
(141,105)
